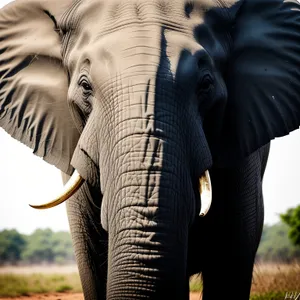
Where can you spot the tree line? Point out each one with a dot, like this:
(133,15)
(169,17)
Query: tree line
(42,246)
(279,243)
(275,245)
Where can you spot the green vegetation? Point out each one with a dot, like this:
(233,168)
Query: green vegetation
(292,219)
(41,246)
(23,285)
(12,244)
(275,245)
(196,283)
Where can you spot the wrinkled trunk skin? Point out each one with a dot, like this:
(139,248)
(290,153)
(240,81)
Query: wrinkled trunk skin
(147,209)
(150,151)
(147,223)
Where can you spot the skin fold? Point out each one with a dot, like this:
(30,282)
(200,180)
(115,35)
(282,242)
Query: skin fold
(141,98)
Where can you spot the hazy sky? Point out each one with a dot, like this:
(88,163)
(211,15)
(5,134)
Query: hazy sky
(25,178)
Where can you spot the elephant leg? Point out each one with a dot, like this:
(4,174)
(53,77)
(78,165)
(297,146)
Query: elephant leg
(231,232)
(90,241)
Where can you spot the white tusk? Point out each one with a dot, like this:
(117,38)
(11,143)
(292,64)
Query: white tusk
(205,193)
(70,188)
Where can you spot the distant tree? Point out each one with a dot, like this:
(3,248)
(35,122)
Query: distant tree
(44,245)
(292,219)
(276,246)
(62,247)
(12,244)
(39,247)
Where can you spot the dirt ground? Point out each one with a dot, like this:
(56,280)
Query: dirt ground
(69,296)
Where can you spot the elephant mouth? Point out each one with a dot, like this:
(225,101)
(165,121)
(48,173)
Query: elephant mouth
(76,181)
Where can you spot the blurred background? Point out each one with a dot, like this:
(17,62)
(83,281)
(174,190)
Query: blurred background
(38,241)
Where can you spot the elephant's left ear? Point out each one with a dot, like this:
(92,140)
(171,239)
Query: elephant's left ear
(33,81)
(263,77)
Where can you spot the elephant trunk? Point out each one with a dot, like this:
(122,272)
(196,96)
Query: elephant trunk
(147,213)
(147,207)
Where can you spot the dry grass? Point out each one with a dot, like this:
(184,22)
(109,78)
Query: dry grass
(276,278)
(270,281)
(22,285)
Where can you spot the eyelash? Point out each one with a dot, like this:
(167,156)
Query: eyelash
(86,87)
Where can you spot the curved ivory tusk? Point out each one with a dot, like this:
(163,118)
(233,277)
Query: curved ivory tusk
(205,193)
(70,188)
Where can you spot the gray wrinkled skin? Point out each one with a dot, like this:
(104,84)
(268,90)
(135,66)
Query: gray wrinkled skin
(142,97)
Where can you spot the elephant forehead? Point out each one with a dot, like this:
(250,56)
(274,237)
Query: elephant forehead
(110,15)
(104,17)
(124,28)
(136,10)
(135,51)
(88,22)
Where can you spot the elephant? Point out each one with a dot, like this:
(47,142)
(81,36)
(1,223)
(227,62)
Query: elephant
(161,114)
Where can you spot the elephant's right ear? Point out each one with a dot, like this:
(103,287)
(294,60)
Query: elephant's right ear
(33,82)
(263,77)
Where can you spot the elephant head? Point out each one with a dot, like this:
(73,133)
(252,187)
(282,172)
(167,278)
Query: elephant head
(141,98)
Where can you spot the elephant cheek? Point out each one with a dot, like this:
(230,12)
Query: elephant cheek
(85,158)
(86,167)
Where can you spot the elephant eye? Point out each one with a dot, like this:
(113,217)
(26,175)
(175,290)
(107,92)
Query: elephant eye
(206,84)
(87,88)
